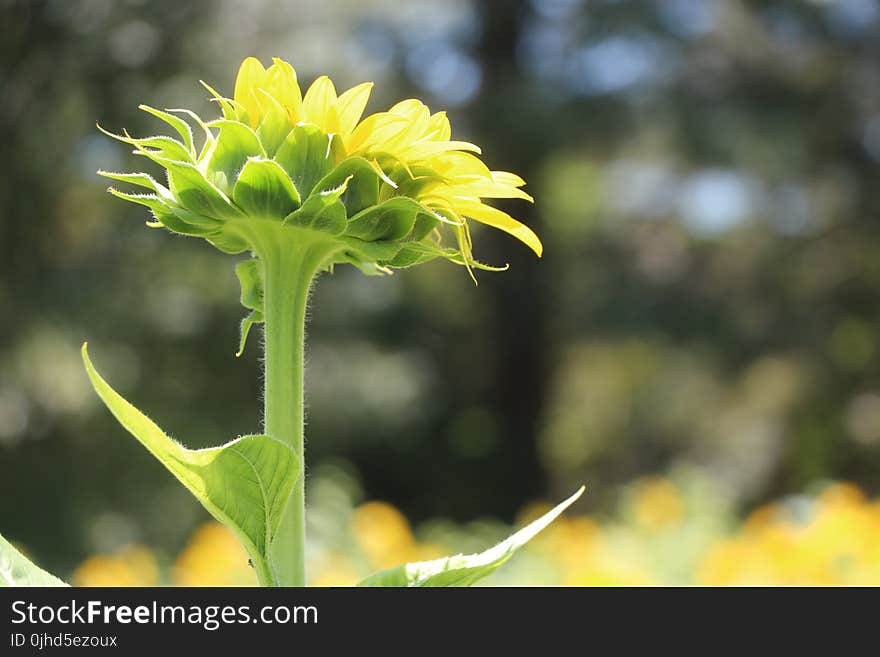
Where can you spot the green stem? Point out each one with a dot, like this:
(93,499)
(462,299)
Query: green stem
(291,260)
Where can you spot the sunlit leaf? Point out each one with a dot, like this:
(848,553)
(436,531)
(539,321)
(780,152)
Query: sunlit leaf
(322,211)
(306,157)
(392,220)
(466,569)
(17,570)
(181,126)
(245,483)
(263,189)
(234,144)
(362,186)
(250,277)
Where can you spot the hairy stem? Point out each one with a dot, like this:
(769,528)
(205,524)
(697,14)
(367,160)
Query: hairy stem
(289,267)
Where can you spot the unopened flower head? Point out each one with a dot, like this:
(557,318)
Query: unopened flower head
(391,190)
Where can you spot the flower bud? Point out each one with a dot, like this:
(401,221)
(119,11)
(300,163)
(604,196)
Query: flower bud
(390,190)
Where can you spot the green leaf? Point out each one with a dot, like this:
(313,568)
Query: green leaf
(151,201)
(362,189)
(160,145)
(181,126)
(245,483)
(209,136)
(196,193)
(413,180)
(178,221)
(17,570)
(250,277)
(234,144)
(228,242)
(322,211)
(263,189)
(252,318)
(417,253)
(465,570)
(306,156)
(140,179)
(425,223)
(392,220)
(365,255)
(232,111)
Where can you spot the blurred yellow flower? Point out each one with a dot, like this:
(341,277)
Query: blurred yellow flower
(657,504)
(384,535)
(133,565)
(213,557)
(838,543)
(829,539)
(334,569)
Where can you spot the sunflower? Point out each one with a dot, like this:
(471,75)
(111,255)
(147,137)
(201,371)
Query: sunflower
(390,189)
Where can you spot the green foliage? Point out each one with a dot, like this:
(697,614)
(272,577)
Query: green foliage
(235,143)
(306,156)
(250,277)
(392,220)
(322,211)
(245,483)
(466,569)
(264,190)
(17,570)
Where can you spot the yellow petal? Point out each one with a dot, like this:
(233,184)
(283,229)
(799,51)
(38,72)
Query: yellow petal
(507,178)
(424,149)
(251,75)
(417,116)
(281,82)
(501,220)
(375,129)
(439,128)
(458,163)
(487,189)
(351,106)
(411,108)
(320,105)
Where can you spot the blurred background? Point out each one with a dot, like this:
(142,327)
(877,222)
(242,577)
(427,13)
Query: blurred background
(698,345)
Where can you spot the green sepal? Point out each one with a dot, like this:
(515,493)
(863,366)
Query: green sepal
(247,322)
(425,223)
(197,220)
(417,253)
(196,193)
(140,179)
(391,220)
(306,156)
(209,136)
(322,211)
(245,484)
(160,145)
(232,111)
(229,242)
(175,222)
(181,126)
(17,570)
(250,277)
(461,569)
(151,201)
(263,189)
(234,144)
(380,251)
(412,180)
(362,189)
